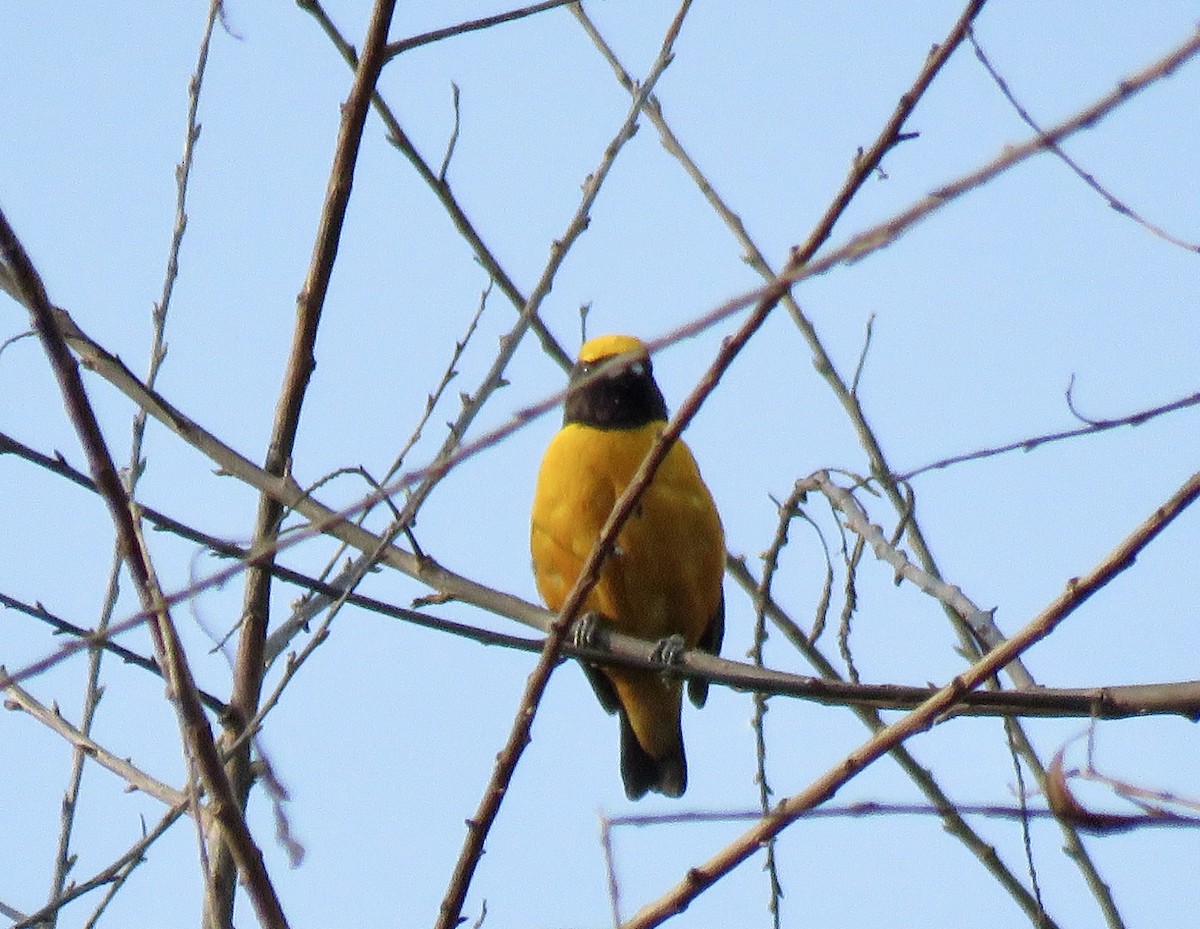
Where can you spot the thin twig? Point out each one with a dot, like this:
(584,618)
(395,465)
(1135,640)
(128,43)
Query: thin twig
(951,596)
(128,655)
(953,821)
(849,604)
(453,141)
(1028,444)
(1014,752)
(1086,176)
(862,356)
(349,577)
(93,690)
(610,870)
(788,510)
(117,871)
(474,25)
(441,189)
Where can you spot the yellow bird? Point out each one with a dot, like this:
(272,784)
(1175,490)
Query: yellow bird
(662,582)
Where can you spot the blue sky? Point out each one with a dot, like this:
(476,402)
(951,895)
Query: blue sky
(982,315)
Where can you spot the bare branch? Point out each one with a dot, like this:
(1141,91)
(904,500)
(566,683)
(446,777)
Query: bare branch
(437,35)
(249,665)
(1077,592)
(121,767)
(194,725)
(441,188)
(1086,176)
(99,639)
(870,809)
(114,873)
(1029,444)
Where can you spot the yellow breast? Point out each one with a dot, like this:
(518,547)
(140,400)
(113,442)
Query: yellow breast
(664,577)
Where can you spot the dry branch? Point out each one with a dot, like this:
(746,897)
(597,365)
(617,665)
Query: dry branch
(249,665)
(123,768)
(1077,592)
(437,182)
(474,25)
(1086,176)
(197,735)
(110,876)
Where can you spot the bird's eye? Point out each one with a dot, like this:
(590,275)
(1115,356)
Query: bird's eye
(637,369)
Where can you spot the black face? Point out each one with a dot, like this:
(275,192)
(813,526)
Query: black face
(622,396)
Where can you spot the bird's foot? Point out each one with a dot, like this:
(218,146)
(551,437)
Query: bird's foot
(669,651)
(583,630)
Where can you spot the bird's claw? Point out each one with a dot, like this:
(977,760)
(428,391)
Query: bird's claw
(583,630)
(670,651)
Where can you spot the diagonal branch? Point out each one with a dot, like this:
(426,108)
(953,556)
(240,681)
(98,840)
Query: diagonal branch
(1087,177)
(301,359)
(474,25)
(441,188)
(111,875)
(1091,427)
(193,723)
(85,744)
(249,664)
(1077,592)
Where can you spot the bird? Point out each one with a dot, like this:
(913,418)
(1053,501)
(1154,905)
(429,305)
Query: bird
(663,579)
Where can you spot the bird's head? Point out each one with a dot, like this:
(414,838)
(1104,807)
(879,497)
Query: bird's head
(612,385)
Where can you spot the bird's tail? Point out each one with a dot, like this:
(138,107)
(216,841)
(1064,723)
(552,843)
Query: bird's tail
(641,771)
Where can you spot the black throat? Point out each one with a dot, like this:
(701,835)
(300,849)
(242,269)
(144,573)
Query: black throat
(626,398)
